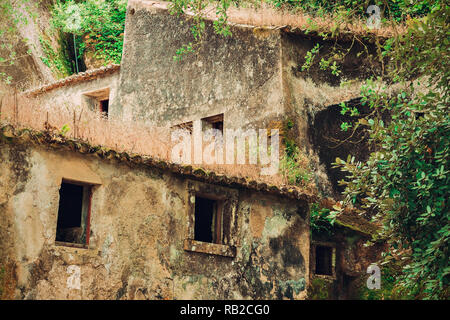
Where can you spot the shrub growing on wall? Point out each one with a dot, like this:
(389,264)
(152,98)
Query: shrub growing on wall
(406,181)
(99,25)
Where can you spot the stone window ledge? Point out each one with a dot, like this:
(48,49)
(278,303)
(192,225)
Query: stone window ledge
(73,255)
(210,248)
(71,244)
(325,276)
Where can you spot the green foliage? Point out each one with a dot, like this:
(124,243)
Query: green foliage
(341,11)
(330,64)
(353,111)
(186,48)
(345,126)
(394,9)
(99,24)
(293,162)
(309,58)
(320,220)
(56,61)
(292,169)
(11,17)
(406,180)
(64,129)
(389,287)
(320,289)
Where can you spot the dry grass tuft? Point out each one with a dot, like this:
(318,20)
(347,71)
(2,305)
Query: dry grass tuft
(260,14)
(121,135)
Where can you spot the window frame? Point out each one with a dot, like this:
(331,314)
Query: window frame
(331,245)
(228,199)
(94,99)
(217,219)
(101,107)
(87,218)
(188,126)
(212,121)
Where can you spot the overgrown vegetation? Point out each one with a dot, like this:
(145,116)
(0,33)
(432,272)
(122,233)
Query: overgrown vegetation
(58,60)
(294,164)
(11,17)
(99,26)
(340,12)
(320,220)
(406,182)
(320,289)
(93,28)
(397,10)
(389,286)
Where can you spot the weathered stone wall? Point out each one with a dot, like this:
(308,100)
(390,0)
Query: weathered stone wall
(352,258)
(28,69)
(253,77)
(309,92)
(138,226)
(77,94)
(239,76)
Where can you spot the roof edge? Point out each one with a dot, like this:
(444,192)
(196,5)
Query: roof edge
(57,141)
(75,78)
(267,16)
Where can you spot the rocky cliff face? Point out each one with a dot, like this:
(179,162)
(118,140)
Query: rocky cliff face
(22,39)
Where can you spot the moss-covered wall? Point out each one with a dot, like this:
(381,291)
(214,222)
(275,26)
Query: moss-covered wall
(238,75)
(353,257)
(138,226)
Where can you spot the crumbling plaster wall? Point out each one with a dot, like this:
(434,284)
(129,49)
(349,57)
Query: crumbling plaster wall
(253,77)
(310,92)
(138,225)
(353,257)
(239,76)
(73,95)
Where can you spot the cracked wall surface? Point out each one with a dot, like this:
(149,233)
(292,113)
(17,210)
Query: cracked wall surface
(239,76)
(254,77)
(138,227)
(77,96)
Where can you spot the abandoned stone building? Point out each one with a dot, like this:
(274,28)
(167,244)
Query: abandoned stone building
(134,228)
(251,80)
(86,222)
(93,89)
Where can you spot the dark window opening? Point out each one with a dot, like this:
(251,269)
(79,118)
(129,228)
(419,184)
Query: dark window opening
(218,125)
(98,100)
(207,220)
(184,126)
(73,213)
(214,122)
(324,264)
(104,107)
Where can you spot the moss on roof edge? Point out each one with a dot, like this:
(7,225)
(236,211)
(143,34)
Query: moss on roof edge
(8,134)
